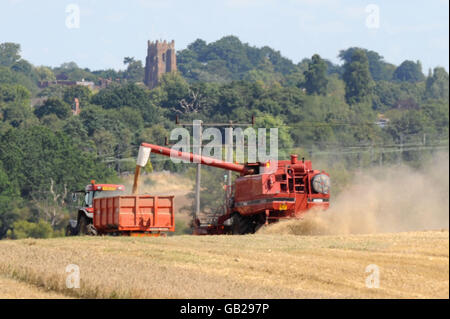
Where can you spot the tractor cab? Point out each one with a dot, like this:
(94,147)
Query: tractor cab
(94,190)
(84,224)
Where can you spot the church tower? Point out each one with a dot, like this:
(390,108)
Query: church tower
(160,59)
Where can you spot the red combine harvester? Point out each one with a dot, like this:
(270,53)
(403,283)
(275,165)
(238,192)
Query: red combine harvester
(134,215)
(263,193)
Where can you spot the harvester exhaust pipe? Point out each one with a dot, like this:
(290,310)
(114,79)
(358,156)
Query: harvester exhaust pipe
(141,161)
(293,159)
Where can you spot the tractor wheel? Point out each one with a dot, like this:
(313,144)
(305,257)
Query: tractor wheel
(82,226)
(72,228)
(68,231)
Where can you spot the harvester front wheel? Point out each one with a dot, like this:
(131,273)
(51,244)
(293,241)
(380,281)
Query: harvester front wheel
(236,224)
(241,225)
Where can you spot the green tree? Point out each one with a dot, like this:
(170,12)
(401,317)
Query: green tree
(14,93)
(437,84)
(45,74)
(131,95)
(25,229)
(316,76)
(229,59)
(379,69)
(409,71)
(134,71)
(54,106)
(358,82)
(81,92)
(24,67)
(19,114)
(9,53)
(74,128)
(33,157)
(9,196)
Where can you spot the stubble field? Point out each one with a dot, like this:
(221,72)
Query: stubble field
(411,265)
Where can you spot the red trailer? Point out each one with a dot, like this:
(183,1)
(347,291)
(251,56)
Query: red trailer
(135,215)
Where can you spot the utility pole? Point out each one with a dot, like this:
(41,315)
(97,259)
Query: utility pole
(199,126)
(400,158)
(229,153)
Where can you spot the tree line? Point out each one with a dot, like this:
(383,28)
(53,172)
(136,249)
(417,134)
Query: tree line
(46,151)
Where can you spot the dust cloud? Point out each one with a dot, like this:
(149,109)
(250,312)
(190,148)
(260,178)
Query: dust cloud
(388,199)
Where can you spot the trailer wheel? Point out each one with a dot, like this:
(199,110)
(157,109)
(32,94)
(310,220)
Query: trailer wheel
(91,230)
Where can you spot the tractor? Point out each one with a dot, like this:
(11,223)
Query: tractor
(84,225)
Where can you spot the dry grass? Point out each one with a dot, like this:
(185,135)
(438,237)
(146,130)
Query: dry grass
(412,265)
(14,289)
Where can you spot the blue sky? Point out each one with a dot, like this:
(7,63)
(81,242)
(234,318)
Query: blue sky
(111,30)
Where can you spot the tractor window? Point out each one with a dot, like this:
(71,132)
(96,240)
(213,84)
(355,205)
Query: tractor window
(88,198)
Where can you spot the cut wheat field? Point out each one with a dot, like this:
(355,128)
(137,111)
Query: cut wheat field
(411,265)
